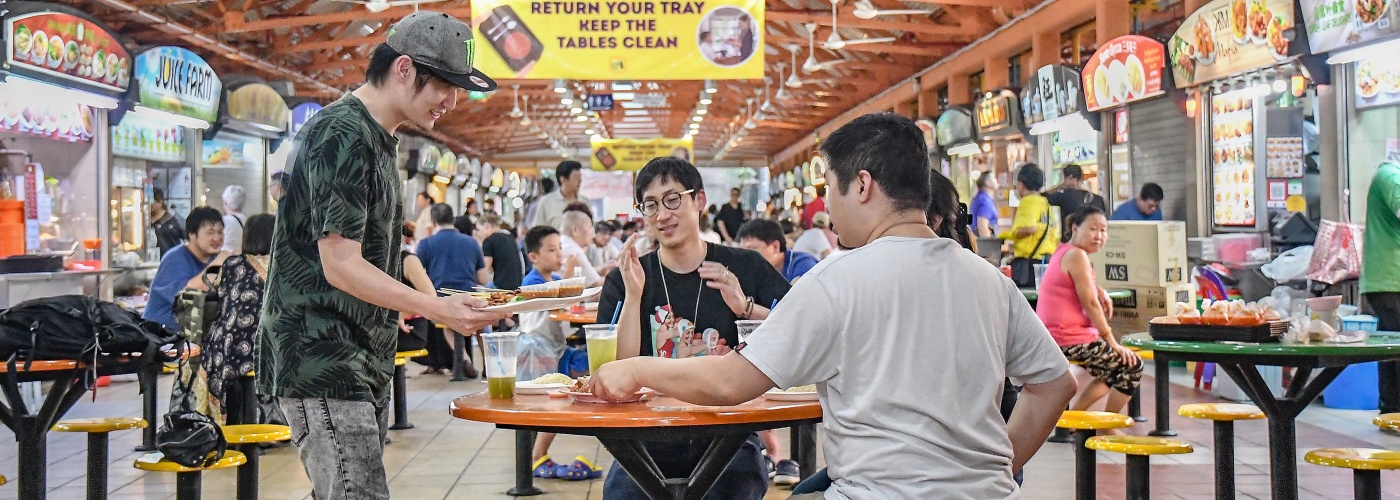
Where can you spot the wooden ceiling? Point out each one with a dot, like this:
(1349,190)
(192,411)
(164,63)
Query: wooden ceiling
(321,47)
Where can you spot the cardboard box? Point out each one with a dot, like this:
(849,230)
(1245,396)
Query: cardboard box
(1131,315)
(1142,254)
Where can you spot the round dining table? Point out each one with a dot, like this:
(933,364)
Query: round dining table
(625,428)
(1240,361)
(576,319)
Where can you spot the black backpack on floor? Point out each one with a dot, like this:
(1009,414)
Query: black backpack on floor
(78,327)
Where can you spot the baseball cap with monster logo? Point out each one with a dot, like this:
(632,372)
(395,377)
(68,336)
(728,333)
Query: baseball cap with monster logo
(442,43)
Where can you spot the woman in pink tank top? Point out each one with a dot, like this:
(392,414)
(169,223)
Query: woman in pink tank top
(1076,312)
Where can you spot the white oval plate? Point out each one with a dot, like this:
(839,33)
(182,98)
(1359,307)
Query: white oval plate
(530,388)
(538,305)
(791,396)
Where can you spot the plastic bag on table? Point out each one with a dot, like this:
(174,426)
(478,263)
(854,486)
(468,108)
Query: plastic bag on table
(1290,265)
(1337,257)
(535,358)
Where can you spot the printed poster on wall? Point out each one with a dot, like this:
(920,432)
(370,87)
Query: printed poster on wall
(596,40)
(1053,92)
(1126,69)
(1283,158)
(66,47)
(302,114)
(1336,24)
(175,80)
(1230,36)
(1377,82)
(633,154)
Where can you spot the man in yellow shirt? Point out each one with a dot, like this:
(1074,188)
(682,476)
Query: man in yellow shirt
(1034,223)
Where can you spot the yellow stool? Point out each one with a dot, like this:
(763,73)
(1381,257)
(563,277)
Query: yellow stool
(1085,425)
(97,430)
(187,479)
(1388,421)
(1365,464)
(246,438)
(400,389)
(1224,416)
(1138,449)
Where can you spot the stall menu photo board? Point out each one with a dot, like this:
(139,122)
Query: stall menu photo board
(1126,69)
(140,137)
(1377,82)
(595,40)
(1337,24)
(429,158)
(447,164)
(996,114)
(1232,158)
(261,104)
(1053,92)
(175,80)
(1283,157)
(65,122)
(1230,36)
(69,48)
(303,113)
(633,154)
(954,127)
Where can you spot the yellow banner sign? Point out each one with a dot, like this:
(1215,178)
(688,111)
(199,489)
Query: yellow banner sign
(633,154)
(617,40)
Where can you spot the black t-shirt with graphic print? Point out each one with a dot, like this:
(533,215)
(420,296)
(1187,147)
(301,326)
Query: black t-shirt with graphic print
(757,278)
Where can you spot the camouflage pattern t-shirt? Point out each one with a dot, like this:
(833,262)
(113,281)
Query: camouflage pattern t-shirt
(316,341)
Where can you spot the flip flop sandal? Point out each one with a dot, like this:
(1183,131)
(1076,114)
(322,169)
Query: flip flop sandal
(546,468)
(580,470)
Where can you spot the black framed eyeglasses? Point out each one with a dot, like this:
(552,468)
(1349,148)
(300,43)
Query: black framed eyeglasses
(672,201)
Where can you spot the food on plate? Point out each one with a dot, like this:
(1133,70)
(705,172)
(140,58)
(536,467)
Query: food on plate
(1204,40)
(583,384)
(1101,90)
(1277,42)
(803,388)
(99,65)
(24,40)
(553,378)
(539,292)
(1369,11)
(55,51)
(111,67)
(70,55)
(1259,16)
(499,298)
(571,291)
(39,48)
(1137,78)
(1184,61)
(1239,20)
(1186,314)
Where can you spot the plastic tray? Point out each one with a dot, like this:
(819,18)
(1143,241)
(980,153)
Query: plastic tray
(1167,328)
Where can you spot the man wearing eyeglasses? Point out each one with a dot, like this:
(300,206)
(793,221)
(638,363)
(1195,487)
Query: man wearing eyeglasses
(681,301)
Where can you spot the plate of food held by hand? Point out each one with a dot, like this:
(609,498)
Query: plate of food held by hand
(803,393)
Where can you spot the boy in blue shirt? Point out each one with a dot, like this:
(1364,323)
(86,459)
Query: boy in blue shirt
(543,344)
(766,237)
(1147,206)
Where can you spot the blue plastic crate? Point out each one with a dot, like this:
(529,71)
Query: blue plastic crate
(1354,389)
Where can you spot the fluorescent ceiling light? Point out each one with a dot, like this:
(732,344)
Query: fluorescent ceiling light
(624,96)
(636,112)
(622,85)
(559,86)
(965,149)
(632,105)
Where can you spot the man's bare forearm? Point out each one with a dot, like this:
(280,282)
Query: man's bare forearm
(347,270)
(629,329)
(1037,410)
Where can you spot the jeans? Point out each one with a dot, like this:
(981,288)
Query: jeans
(341,444)
(1386,307)
(746,477)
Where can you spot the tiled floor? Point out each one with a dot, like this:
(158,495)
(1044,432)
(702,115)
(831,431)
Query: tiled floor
(447,458)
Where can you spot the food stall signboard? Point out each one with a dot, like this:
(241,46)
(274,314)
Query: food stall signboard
(996,115)
(1227,37)
(62,121)
(260,104)
(1053,92)
(1337,24)
(1124,70)
(1232,159)
(302,114)
(954,127)
(69,48)
(1377,82)
(175,80)
(633,154)
(719,39)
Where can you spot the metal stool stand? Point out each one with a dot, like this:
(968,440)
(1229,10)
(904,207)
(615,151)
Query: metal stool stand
(1135,405)
(524,477)
(1163,386)
(97,430)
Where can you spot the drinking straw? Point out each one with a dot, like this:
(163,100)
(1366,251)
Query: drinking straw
(496,352)
(615,313)
(774,306)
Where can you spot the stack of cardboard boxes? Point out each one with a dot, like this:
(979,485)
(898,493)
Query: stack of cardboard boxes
(1148,259)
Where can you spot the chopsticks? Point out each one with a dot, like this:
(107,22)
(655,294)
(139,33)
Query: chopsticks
(485,289)
(481,290)
(451,291)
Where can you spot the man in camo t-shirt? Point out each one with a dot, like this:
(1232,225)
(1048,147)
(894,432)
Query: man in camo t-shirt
(328,331)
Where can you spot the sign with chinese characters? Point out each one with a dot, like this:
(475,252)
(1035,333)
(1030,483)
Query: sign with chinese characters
(260,104)
(66,47)
(1226,37)
(1338,24)
(633,154)
(1126,69)
(175,80)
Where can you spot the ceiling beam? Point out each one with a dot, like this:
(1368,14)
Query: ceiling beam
(237,22)
(329,44)
(921,49)
(848,20)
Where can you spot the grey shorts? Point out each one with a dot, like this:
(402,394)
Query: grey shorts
(341,444)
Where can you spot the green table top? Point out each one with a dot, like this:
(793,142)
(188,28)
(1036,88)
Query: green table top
(1377,344)
(1033,294)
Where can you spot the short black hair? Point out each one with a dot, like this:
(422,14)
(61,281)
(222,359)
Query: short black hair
(604,226)
(735,191)
(441,214)
(547,185)
(257,234)
(426,196)
(381,63)
(534,239)
(1074,172)
(630,225)
(1151,191)
(1031,176)
(663,168)
(821,191)
(566,168)
(763,230)
(1082,215)
(891,149)
(787,226)
(407,230)
(464,224)
(200,217)
(944,205)
(983,179)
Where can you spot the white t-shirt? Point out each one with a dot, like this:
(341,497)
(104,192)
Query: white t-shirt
(590,274)
(233,233)
(908,341)
(551,210)
(812,241)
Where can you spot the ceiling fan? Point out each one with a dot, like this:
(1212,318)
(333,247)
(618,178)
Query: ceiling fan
(793,81)
(834,42)
(783,93)
(867,10)
(383,5)
(811,65)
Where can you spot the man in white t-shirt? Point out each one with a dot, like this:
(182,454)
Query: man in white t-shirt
(908,338)
(577,230)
